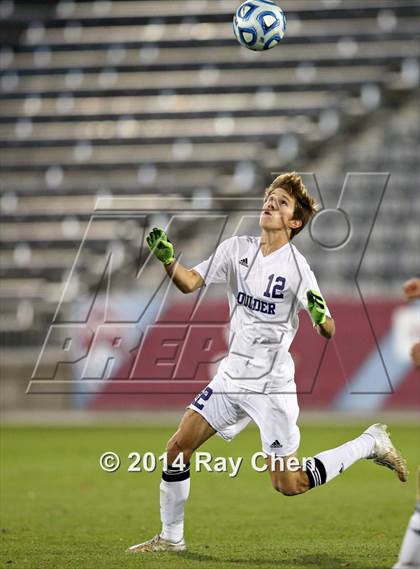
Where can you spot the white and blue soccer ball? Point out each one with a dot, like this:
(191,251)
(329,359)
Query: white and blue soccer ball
(259,24)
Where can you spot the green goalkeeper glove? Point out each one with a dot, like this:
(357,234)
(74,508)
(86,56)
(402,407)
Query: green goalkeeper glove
(316,306)
(160,246)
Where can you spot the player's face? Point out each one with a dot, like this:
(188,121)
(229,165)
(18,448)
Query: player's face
(278,210)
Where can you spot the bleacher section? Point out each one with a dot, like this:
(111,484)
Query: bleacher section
(140,98)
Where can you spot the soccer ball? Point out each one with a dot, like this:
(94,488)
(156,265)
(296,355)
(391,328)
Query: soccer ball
(259,24)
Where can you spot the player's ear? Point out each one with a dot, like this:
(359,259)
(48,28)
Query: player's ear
(295,223)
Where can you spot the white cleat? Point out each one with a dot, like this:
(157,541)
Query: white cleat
(384,452)
(156,544)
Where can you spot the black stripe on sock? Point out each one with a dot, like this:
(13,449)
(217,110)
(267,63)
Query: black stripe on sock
(172,468)
(174,474)
(321,470)
(310,475)
(316,473)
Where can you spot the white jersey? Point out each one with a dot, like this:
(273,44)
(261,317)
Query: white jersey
(265,295)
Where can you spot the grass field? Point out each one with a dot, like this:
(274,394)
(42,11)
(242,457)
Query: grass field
(60,510)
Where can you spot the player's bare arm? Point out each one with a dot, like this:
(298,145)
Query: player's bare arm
(186,280)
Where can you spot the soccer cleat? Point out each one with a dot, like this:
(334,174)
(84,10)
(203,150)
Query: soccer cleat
(156,544)
(384,452)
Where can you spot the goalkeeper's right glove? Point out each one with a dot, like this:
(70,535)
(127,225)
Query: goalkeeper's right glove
(160,246)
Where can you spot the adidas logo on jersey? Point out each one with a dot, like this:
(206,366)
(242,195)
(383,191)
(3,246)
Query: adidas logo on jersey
(244,262)
(276,444)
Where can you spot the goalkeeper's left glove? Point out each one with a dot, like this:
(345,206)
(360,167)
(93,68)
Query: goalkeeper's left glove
(316,306)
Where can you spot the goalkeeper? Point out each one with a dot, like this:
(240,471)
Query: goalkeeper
(268,282)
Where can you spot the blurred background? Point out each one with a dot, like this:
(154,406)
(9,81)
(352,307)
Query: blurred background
(117,116)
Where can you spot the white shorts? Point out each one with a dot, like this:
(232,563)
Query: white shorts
(229,409)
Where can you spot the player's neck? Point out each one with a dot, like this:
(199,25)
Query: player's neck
(270,241)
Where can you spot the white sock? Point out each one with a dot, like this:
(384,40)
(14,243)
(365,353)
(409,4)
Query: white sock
(174,491)
(410,549)
(328,464)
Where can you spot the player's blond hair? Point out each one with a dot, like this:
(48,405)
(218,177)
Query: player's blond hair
(305,204)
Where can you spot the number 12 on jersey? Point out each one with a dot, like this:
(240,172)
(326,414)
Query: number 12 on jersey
(276,290)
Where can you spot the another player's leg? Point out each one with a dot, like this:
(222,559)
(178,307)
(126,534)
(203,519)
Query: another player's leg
(374,443)
(192,432)
(410,549)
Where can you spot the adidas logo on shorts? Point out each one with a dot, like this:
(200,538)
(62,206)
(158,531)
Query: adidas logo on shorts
(276,444)
(244,262)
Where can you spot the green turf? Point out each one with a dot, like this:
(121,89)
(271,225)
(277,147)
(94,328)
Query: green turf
(59,510)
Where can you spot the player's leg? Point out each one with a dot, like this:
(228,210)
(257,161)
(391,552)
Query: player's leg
(374,443)
(410,549)
(211,411)
(192,432)
(287,477)
(322,468)
(276,416)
